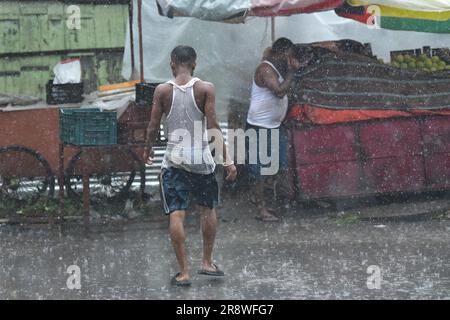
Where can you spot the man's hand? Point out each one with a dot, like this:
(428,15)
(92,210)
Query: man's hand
(231,173)
(149,154)
(293,64)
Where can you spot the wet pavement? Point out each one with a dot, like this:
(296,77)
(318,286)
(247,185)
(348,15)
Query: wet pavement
(306,256)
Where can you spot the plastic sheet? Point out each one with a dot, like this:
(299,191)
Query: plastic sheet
(228,54)
(67,71)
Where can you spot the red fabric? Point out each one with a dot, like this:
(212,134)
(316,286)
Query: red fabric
(316,115)
(360,18)
(281,8)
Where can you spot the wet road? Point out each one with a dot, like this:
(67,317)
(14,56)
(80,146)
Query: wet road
(306,256)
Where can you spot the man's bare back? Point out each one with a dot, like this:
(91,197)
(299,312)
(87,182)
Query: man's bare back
(202,92)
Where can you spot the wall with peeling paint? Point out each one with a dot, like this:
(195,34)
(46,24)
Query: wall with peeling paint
(34,36)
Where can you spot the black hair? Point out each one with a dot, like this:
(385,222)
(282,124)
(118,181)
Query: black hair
(351,46)
(302,52)
(281,45)
(183,55)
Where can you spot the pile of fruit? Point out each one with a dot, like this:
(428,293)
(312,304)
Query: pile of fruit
(422,62)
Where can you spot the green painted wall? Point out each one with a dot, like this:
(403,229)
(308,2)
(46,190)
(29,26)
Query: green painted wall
(34,36)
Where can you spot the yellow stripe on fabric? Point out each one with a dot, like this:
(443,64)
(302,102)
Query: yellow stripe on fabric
(410,14)
(416,5)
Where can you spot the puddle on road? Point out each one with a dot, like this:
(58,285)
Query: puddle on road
(282,261)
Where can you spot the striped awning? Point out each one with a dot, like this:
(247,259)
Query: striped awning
(415,5)
(422,16)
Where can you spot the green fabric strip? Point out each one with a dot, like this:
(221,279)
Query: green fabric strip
(415,25)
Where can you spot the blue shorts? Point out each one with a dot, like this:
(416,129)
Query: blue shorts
(254,169)
(177,184)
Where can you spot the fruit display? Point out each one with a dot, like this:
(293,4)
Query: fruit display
(444,54)
(421,62)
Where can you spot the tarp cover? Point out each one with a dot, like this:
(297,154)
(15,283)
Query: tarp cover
(396,18)
(228,54)
(262,8)
(305,113)
(222,10)
(338,80)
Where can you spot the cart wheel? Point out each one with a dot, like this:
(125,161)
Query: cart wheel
(114,184)
(25,175)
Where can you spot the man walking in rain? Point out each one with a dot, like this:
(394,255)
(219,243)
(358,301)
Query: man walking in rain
(188,166)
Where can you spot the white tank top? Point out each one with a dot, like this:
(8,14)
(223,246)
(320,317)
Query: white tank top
(266,109)
(187,137)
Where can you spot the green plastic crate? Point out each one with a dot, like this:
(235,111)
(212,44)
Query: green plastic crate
(87,127)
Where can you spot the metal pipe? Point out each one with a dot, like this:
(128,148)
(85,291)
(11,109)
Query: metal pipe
(141,49)
(130,18)
(272,23)
(61,182)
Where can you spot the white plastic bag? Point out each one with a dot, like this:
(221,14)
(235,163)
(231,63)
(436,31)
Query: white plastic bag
(67,71)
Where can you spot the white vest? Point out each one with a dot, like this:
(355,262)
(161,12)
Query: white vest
(187,142)
(266,109)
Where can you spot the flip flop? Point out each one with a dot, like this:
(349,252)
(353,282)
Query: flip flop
(267,218)
(217,273)
(179,283)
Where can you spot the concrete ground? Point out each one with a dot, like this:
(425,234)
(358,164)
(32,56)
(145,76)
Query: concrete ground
(310,254)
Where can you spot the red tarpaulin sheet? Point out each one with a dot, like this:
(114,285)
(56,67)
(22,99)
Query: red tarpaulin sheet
(268,8)
(237,11)
(315,115)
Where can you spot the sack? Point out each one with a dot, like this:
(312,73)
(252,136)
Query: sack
(67,71)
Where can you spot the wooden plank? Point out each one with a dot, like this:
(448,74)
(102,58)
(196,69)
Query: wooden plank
(10,75)
(33,25)
(83,38)
(87,10)
(2,76)
(31,84)
(56,23)
(117,25)
(102,29)
(10,10)
(9,35)
(41,26)
(30,33)
(55,9)
(116,86)
(34,8)
(26,75)
(11,64)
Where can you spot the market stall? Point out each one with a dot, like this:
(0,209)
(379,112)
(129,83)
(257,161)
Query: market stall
(359,126)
